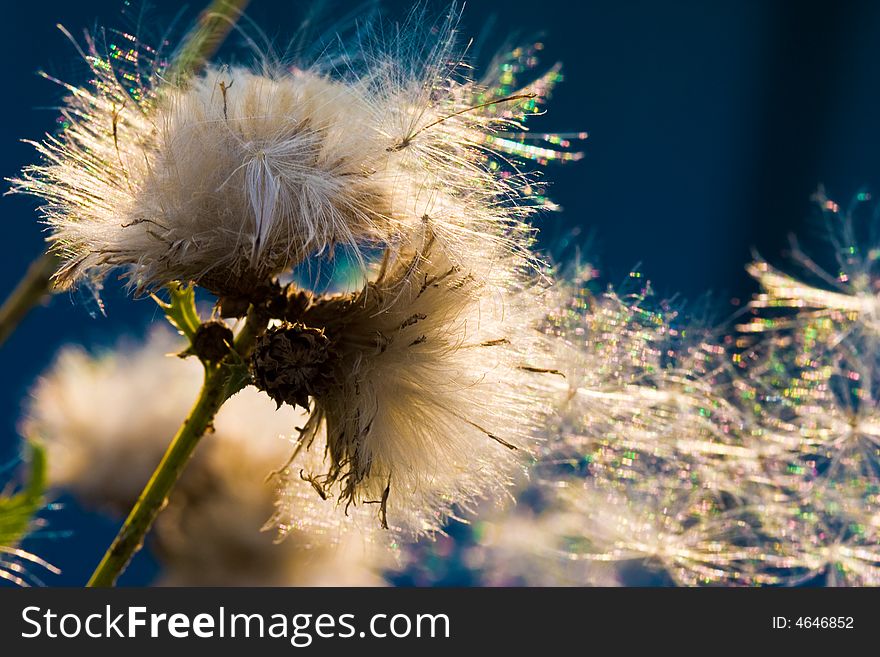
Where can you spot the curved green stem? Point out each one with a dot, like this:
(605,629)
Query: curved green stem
(155,495)
(221,382)
(214,24)
(31,289)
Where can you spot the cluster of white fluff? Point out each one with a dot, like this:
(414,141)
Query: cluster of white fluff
(106,421)
(631,458)
(527,547)
(750,459)
(237,175)
(436,381)
(427,388)
(111,456)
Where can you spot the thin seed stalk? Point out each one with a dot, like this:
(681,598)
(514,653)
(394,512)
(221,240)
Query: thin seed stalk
(154,497)
(31,290)
(217,387)
(214,25)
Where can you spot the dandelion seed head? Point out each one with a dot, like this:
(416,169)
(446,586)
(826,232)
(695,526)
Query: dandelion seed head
(438,377)
(238,175)
(424,388)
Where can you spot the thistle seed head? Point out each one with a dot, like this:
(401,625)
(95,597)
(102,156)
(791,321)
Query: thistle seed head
(212,341)
(436,381)
(291,363)
(239,175)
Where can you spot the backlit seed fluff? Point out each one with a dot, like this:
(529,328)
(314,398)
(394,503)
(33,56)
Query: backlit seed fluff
(523,547)
(236,176)
(432,383)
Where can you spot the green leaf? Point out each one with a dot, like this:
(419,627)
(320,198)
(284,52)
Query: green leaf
(18,509)
(238,375)
(181,310)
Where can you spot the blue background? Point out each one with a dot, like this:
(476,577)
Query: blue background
(711,124)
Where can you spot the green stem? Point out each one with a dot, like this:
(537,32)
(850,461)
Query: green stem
(155,495)
(214,24)
(30,290)
(217,387)
(254,326)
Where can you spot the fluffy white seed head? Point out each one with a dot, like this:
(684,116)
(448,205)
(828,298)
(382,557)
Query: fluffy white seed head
(97,415)
(236,176)
(432,381)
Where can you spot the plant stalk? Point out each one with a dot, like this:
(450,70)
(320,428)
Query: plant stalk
(213,26)
(155,496)
(30,291)
(217,387)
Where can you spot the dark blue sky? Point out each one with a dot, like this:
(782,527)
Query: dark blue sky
(711,124)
